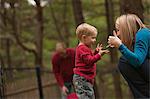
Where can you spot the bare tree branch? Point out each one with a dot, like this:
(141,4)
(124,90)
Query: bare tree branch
(15,31)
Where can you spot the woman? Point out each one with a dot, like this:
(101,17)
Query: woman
(132,38)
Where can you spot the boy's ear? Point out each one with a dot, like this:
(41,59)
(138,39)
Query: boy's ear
(83,36)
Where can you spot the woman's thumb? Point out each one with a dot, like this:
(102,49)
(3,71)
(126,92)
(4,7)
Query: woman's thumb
(114,33)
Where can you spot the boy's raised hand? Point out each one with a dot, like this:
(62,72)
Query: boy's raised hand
(100,50)
(97,48)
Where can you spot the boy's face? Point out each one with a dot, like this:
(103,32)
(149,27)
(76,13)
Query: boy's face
(90,40)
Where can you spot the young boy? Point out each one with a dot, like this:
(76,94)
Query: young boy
(85,61)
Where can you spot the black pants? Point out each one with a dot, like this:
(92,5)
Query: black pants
(138,78)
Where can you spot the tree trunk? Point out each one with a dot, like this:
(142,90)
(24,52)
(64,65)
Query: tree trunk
(65,23)
(3,14)
(132,6)
(2,84)
(113,56)
(96,91)
(77,9)
(39,34)
(56,23)
(102,88)
(9,73)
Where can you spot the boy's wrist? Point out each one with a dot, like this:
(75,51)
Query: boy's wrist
(99,53)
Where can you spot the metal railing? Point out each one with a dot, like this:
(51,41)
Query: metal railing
(37,70)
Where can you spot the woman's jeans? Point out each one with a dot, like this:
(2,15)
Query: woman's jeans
(138,78)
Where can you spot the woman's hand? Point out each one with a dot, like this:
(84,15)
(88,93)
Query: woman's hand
(114,41)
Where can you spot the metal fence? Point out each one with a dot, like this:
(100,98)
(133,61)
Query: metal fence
(28,83)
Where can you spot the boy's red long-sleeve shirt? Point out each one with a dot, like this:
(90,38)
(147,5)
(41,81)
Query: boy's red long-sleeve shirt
(85,62)
(63,66)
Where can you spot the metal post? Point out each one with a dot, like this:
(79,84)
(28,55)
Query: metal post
(1,84)
(38,74)
(1,95)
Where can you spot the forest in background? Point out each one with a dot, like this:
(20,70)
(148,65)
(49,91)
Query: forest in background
(33,30)
(29,31)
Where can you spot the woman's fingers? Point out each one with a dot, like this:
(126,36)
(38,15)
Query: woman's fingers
(110,40)
(114,33)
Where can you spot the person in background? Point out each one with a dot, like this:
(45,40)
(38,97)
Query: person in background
(85,61)
(132,38)
(63,62)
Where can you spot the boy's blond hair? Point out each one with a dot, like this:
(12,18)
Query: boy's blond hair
(85,29)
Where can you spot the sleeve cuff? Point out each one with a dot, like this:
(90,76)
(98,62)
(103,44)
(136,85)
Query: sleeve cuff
(98,56)
(121,47)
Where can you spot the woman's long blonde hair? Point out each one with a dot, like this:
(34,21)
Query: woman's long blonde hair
(128,26)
